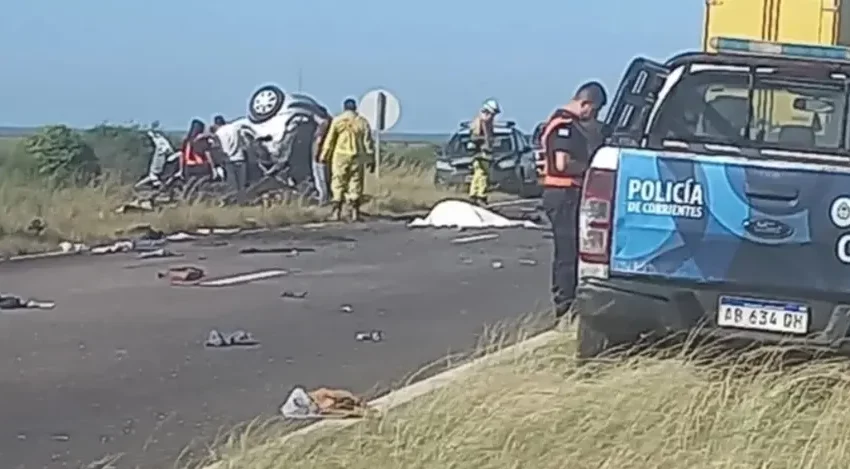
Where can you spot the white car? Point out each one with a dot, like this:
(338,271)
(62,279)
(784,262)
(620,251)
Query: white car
(280,120)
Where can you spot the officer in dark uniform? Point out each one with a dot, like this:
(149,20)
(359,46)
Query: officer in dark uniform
(569,139)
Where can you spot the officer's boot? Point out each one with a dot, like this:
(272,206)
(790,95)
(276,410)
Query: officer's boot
(355,211)
(336,211)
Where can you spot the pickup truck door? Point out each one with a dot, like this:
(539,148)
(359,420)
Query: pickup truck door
(627,118)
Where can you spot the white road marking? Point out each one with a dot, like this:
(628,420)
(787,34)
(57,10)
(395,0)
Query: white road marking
(508,203)
(243,278)
(474,238)
(420,388)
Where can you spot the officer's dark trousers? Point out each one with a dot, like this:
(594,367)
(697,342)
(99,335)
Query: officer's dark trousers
(561,207)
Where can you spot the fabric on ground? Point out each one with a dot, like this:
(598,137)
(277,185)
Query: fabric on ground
(461,214)
(322,403)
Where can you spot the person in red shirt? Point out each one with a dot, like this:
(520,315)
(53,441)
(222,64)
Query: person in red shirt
(196,151)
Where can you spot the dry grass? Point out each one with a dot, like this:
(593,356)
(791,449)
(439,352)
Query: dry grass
(87,214)
(750,411)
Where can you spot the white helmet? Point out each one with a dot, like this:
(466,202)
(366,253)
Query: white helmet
(491,106)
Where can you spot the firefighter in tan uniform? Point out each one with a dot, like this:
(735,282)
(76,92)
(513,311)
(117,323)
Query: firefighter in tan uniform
(569,139)
(349,147)
(481,144)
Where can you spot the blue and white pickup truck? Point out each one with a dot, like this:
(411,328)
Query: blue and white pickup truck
(722,200)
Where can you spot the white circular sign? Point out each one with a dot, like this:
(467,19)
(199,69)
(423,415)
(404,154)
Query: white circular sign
(368,108)
(839,212)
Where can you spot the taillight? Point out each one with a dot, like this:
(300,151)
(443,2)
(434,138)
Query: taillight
(595,216)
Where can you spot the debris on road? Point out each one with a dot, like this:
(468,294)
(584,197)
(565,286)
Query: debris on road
(525,261)
(462,214)
(158,253)
(299,295)
(346,309)
(218,231)
(182,275)
(66,246)
(278,250)
(118,246)
(181,236)
(16,302)
(497,264)
(465,260)
(475,238)
(323,403)
(371,336)
(136,206)
(216,339)
(60,437)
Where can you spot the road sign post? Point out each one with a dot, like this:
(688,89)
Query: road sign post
(382,110)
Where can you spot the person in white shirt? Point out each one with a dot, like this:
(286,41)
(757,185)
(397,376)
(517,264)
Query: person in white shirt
(232,146)
(163,152)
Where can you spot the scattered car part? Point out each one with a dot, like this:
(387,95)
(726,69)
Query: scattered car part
(181,275)
(278,250)
(216,339)
(158,253)
(299,295)
(370,336)
(16,302)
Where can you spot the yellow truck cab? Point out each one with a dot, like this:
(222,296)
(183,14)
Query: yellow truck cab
(821,22)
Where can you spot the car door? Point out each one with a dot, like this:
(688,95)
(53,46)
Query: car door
(525,160)
(630,110)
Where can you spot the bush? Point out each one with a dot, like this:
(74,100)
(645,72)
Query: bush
(59,155)
(124,151)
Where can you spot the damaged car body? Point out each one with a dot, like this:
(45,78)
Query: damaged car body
(278,137)
(721,202)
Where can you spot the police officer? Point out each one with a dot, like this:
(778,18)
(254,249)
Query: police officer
(568,140)
(481,141)
(348,146)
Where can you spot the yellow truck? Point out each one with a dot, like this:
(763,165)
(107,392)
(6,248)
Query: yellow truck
(797,21)
(825,22)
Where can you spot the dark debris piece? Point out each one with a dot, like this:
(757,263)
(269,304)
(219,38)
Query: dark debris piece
(282,250)
(16,302)
(299,295)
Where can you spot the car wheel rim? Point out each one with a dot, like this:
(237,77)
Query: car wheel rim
(264,102)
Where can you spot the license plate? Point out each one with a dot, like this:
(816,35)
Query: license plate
(763,315)
(467,178)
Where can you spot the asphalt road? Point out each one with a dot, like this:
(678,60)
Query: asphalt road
(119,365)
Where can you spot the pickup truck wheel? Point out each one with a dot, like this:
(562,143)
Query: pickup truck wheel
(593,341)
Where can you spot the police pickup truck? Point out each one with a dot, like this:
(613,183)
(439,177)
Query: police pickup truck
(721,201)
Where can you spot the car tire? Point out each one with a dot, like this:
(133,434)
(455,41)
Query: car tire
(526,190)
(265,103)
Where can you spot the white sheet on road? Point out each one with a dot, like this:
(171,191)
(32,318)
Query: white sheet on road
(461,214)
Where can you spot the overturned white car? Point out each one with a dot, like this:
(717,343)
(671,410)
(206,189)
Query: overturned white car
(278,135)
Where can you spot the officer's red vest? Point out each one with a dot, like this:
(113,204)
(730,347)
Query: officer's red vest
(556,171)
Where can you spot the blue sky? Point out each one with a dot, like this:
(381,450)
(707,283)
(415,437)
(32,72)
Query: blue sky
(88,61)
